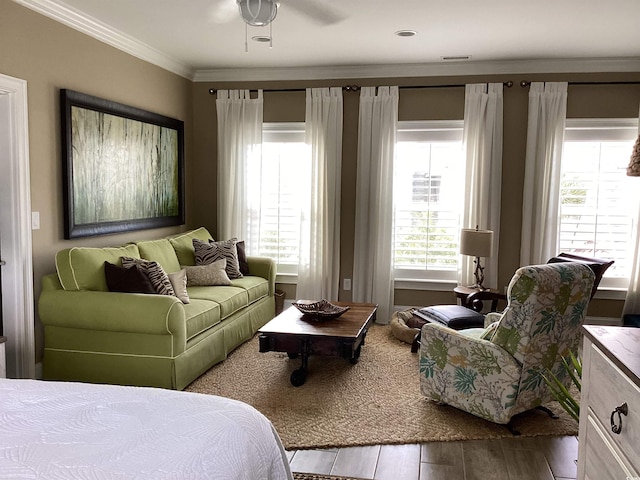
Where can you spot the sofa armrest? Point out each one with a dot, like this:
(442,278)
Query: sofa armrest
(112,311)
(264,267)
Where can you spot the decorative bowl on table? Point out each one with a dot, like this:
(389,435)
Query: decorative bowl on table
(322,310)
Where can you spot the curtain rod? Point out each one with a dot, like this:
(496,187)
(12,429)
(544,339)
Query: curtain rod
(355,88)
(527,83)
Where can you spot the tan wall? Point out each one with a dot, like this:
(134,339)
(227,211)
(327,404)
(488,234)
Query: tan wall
(428,104)
(51,56)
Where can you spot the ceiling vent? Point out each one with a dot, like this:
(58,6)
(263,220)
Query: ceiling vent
(456,58)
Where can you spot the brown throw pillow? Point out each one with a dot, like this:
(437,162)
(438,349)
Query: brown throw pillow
(242,258)
(155,273)
(126,280)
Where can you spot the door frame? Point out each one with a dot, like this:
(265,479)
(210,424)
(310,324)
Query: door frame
(15,232)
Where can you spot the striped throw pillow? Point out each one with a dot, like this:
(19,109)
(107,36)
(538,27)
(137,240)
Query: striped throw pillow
(158,277)
(209,252)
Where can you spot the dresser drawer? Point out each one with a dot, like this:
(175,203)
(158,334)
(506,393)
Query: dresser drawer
(610,388)
(601,460)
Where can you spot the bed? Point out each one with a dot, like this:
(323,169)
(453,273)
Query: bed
(59,430)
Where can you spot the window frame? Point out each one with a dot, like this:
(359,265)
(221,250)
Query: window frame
(414,131)
(284,132)
(609,129)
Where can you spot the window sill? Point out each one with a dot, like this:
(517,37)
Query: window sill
(417,284)
(287,278)
(604,293)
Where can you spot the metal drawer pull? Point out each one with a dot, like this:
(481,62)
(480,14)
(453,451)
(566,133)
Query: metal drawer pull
(621,410)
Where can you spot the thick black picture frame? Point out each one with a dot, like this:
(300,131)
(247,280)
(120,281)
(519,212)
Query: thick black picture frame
(99,128)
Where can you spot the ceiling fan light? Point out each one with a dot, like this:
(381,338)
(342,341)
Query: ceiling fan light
(258,13)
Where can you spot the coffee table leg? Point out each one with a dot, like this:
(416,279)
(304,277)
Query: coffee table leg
(356,355)
(299,376)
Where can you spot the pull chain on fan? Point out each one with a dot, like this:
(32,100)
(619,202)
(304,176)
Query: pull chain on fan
(257,13)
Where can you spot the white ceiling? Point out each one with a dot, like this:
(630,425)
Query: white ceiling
(191,38)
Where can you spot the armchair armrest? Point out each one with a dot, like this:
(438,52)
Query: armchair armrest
(469,373)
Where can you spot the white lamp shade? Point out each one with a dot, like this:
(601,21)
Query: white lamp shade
(633,170)
(476,243)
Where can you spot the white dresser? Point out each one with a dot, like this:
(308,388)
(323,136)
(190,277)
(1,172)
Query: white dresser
(609,441)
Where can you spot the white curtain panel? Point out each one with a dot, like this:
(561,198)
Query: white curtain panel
(632,300)
(541,195)
(319,265)
(377,131)
(239,140)
(482,139)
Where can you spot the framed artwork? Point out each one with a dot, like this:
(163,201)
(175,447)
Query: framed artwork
(123,168)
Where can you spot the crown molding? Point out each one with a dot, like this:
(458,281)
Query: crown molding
(571,65)
(106,34)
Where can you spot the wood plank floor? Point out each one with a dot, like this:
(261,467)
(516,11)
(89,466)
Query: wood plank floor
(513,458)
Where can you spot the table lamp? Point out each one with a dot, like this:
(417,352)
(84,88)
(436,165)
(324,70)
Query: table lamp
(477,243)
(633,170)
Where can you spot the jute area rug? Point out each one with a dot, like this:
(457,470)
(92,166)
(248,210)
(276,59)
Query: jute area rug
(376,401)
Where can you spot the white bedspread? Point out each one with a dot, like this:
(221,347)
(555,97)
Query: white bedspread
(57,430)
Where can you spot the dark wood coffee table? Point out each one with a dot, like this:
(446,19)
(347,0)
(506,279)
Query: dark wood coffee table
(297,335)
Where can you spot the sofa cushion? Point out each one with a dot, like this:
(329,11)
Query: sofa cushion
(127,280)
(160,251)
(231,299)
(183,244)
(82,268)
(200,315)
(256,287)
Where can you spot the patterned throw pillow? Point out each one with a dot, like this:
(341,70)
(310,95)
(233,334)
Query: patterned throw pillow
(153,270)
(205,275)
(207,253)
(179,283)
(126,280)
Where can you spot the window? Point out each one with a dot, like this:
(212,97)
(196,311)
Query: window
(428,197)
(276,189)
(595,193)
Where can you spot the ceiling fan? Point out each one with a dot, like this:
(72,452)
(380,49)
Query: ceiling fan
(259,13)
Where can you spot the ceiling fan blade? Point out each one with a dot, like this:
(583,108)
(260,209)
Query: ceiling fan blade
(223,11)
(316,10)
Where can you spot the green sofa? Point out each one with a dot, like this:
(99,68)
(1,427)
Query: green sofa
(94,335)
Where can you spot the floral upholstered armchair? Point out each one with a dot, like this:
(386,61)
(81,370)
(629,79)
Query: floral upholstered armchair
(495,373)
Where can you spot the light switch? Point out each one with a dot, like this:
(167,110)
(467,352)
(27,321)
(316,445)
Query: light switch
(35,220)
(346,284)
